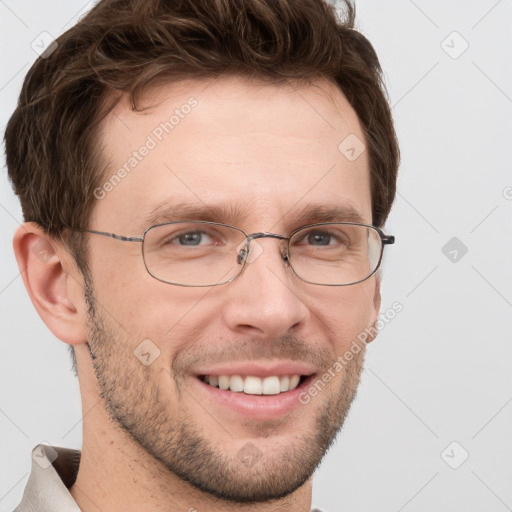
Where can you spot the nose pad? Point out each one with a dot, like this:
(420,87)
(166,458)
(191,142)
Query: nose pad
(284,255)
(242,256)
(242,253)
(247,252)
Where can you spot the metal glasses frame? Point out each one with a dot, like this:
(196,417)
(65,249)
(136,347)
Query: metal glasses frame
(242,257)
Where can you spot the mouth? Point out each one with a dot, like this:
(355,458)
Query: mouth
(254,391)
(253,385)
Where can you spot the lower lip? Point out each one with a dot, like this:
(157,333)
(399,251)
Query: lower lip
(255,407)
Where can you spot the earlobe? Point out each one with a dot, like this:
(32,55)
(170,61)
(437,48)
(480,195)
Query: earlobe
(55,291)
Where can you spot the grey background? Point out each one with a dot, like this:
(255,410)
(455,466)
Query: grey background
(440,370)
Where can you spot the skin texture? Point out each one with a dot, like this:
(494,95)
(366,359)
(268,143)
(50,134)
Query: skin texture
(152,438)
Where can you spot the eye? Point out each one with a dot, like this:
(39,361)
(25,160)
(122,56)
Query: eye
(191,238)
(322,238)
(319,238)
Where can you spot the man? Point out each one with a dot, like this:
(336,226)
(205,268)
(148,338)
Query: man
(203,185)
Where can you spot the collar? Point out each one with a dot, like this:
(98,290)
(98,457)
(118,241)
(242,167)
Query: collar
(53,472)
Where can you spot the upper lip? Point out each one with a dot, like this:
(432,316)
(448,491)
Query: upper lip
(258,369)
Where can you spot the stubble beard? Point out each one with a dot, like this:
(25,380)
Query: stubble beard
(137,405)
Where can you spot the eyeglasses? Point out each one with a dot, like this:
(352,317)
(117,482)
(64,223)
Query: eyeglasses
(201,253)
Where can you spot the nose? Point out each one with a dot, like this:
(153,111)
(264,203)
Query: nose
(264,300)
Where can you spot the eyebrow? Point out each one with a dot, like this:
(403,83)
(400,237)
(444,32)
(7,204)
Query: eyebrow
(170,212)
(235,214)
(310,214)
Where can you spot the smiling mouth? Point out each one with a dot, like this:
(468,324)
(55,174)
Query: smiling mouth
(251,385)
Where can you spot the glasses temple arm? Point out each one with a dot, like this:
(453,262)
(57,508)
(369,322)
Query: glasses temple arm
(116,237)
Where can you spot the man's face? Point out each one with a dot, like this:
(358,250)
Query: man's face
(265,156)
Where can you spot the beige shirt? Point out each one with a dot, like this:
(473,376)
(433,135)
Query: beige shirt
(54,471)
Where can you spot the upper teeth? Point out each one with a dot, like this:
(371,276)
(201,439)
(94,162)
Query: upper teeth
(254,385)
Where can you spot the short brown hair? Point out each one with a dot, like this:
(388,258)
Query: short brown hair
(125,45)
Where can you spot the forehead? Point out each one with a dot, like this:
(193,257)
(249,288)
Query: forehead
(232,145)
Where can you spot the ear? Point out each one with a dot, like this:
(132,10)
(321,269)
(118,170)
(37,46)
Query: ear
(53,282)
(375,310)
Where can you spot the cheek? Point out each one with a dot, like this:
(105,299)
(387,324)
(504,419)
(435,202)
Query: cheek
(118,270)
(343,313)
(171,317)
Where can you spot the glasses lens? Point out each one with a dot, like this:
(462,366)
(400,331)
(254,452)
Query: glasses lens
(335,254)
(193,253)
